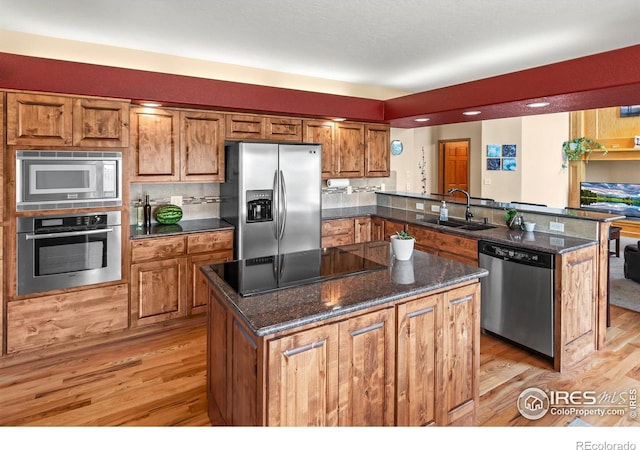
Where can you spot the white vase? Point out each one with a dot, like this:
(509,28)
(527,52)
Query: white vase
(402,248)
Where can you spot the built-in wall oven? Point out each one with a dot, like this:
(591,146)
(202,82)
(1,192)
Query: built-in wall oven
(51,179)
(63,251)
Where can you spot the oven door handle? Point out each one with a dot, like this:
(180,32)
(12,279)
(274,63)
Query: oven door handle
(34,237)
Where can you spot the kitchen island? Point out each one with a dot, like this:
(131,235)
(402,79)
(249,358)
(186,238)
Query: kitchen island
(385,343)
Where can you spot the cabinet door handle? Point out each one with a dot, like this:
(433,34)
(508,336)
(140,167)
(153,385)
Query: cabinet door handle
(367,329)
(461,300)
(304,348)
(420,312)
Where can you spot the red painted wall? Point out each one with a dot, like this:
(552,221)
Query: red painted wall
(601,80)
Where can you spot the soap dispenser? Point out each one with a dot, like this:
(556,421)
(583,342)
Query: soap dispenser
(444,212)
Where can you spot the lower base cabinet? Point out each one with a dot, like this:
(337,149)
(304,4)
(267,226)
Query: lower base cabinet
(410,364)
(70,317)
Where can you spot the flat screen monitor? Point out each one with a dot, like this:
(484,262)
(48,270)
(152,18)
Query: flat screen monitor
(614,198)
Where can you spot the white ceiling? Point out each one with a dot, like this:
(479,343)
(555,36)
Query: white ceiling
(412,45)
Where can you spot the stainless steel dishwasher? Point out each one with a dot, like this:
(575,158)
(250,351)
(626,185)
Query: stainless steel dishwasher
(517,296)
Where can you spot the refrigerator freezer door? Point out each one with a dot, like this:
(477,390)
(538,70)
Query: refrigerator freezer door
(300,196)
(258,171)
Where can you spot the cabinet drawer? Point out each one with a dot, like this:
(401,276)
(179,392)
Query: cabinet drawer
(210,242)
(339,226)
(157,248)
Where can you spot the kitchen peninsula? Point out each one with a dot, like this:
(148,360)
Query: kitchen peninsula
(374,341)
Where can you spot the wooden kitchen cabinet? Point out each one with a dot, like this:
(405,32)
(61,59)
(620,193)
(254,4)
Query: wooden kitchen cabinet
(337,232)
(576,307)
(100,123)
(383,229)
(438,358)
(66,318)
(350,149)
(460,363)
(204,248)
(201,146)
(366,367)
(155,155)
(158,291)
(348,159)
(57,120)
(4,152)
(362,370)
(309,358)
(321,132)
(164,274)
(176,145)
(377,151)
(38,119)
(362,229)
(258,127)
(458,248)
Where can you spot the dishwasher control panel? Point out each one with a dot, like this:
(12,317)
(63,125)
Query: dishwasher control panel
(521,255)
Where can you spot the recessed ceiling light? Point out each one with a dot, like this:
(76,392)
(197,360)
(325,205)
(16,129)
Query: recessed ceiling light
(151,104)
(339,119)
(471,113)
(421,119)
(537,104)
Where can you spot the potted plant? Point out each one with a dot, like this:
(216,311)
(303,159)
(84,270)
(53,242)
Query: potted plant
(510,218)
(575,149)
(402,245)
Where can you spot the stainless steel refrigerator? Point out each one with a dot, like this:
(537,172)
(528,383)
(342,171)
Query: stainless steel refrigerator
(272,195)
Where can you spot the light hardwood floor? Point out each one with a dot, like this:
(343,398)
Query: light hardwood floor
(160,380)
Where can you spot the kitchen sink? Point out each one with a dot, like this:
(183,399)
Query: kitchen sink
(460,224)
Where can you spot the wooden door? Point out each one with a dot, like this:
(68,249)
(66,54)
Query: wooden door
(158,291)
(218,357)
(283,129)
(321,132)
(377,151)
(366,370)
(100,123)
(34,119)
(362,229)
(454,166)
(201,146)
(197,284)
(303,378)
(460,355)
(419,340)
(349,155)
(155,148)
(244,126)
(391,227)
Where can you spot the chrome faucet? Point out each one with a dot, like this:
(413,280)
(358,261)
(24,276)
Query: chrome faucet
(467,214)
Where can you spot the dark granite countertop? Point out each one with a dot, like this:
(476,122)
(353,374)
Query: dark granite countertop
(288,308)
(545,242)
(576,213)
(182,227)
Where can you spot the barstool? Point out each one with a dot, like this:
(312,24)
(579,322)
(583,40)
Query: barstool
(614,235)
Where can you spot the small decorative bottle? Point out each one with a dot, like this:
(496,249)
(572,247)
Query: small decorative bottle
(147,212)
(139,214)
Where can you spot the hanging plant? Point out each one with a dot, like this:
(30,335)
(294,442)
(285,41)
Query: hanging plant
(575,149)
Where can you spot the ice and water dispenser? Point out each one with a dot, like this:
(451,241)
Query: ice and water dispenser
(259,205)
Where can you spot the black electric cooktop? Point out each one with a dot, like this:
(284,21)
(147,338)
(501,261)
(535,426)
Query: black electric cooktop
(270,273)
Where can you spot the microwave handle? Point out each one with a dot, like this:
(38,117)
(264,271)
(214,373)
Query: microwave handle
(67,234)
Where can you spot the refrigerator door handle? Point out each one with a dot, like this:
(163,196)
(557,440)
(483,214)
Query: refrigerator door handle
(283,200)
(276,203)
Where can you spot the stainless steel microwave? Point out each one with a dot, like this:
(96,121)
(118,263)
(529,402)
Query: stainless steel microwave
(49,179)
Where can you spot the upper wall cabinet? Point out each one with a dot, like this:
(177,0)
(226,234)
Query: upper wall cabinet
(100,123)
(257,127)
(201,146)
(608,127)
(154,145)
(350,149)
(377,151)
(171,145)
(53,120)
